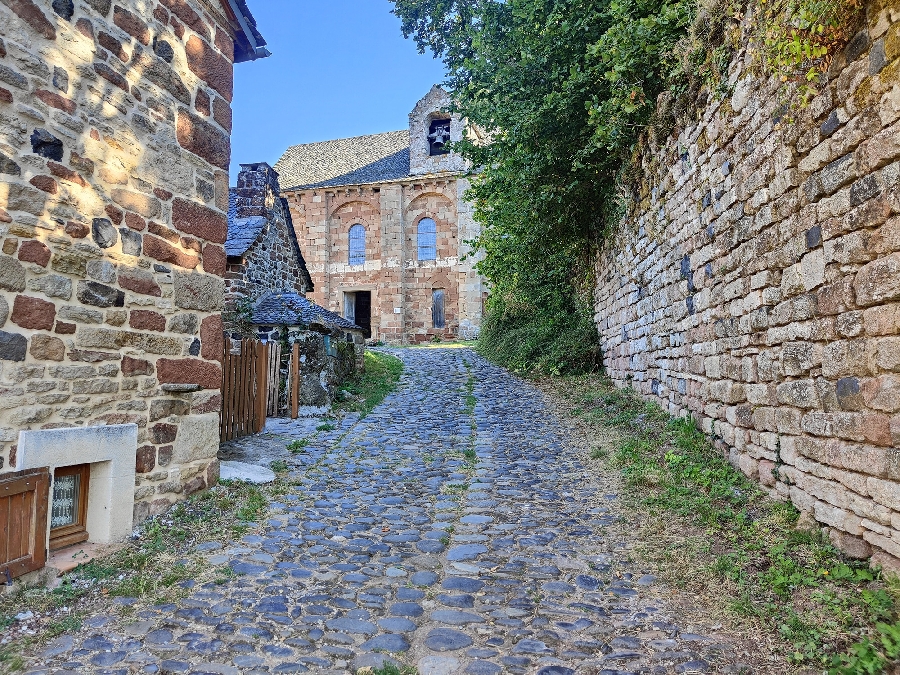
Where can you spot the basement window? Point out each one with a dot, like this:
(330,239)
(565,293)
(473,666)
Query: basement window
(438,137)
(68,507)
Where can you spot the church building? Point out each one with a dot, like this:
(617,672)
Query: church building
(383,226)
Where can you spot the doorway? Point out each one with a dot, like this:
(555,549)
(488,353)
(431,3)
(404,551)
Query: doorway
(358,309)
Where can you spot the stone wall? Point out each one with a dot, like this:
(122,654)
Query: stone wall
(114,147)
(273,261)
(757,288)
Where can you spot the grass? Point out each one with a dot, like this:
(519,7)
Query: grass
(388,669)
(367,389)
(298,446)
(711,528)
(149,568)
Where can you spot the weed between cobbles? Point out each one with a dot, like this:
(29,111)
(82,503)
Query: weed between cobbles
(149,567)
(365,390)
(828,611)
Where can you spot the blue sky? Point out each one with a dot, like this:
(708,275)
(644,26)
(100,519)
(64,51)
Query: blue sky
(338,68)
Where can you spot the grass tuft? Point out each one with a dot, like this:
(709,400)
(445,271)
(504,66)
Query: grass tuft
(369,388)
(827,611)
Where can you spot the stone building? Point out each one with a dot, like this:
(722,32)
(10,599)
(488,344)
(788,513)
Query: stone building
(261,249)
(382,223)
(115,122)
(756,287)
(266,270)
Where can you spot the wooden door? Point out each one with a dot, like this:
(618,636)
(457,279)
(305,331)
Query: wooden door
(24,498)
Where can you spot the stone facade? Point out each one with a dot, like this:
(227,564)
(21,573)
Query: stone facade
(757,288)
(389,194)
(115,124)
(262,249)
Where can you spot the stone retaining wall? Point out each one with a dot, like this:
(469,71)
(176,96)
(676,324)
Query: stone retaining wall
(115,125)
(757,288)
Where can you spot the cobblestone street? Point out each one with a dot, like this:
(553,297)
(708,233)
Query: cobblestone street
(453,530)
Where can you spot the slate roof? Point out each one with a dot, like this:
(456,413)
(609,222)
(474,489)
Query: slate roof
(242,232)
(346,161)
(291,309)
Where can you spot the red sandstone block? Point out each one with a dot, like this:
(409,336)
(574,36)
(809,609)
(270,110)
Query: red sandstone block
(131,24)
(34,251)
(186,13)
(85,27)
(132,367)
(211,338)
(115,213)
(55,100)
(166,233)
(201,103)
(189,371)
(135,222)
(165,195)
(5,95)
(138,280)
(112,45)
(66,173)
(31,14)
(63,328)
(45,183)
(33,313)
(76,230)
(145,460)
(144,319)
(199,220)
(210,66)
(165,252)
(111,76)
(225,44)
(203,139)
(214,259)
(222,113)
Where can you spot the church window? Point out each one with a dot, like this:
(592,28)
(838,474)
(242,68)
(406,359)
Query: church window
(357,245)
(437,308)
(438,137)
(427,239)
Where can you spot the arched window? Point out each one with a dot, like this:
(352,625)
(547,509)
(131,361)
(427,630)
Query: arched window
(427,239)
(357,245)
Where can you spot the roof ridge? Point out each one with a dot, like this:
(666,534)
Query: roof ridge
(346,138)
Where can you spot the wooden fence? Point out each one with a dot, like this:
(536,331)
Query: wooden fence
(23,522)
(244,389)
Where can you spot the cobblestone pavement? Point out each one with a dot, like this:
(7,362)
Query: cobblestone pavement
(452,529)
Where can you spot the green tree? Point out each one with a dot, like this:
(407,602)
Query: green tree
(561,90)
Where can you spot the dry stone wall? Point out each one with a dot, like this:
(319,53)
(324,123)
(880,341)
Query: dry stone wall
(114,147)
(757,288)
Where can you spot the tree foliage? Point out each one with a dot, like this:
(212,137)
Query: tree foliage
(562,92)
(560,89)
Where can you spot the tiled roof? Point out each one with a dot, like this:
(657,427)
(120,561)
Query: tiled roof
(346,161)
(291,309)
(242,232)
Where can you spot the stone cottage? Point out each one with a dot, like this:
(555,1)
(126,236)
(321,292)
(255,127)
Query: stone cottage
(115,122)
(382,222)
(332,348)
(262,250)
(266,283)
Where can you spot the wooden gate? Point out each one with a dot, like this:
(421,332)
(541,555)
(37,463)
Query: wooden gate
(24,497)
(274,379)
(244,389)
